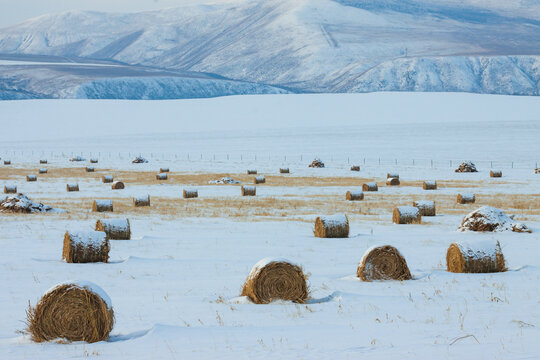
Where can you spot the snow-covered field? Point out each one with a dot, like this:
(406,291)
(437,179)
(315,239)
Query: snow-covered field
(175,287)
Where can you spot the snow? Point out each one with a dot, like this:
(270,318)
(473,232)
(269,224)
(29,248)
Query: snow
(431,183)
(115,224)
(408,211)
(468,196)
(424,203)
(480,249)
(335,220)
(265,261)
(94,239)
(104,203)
(87,285)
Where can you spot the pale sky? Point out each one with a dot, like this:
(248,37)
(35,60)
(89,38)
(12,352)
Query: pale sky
(16,11)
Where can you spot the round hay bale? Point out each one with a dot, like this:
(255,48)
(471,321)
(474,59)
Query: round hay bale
(161,176)
(90,169)
(466,199)
(252,172)
(10,189)
(141,201)
(43,171)
(276,279)
(85,247)
(163,170)
(190,193)
(336,226)
(392,175)
(372,186)
(7,162)
(249,190)
(93,161)
(406,215)
(118,185)
(31,178)
(72,187)
(481,257)
(76,311)
(488,218)
(425,207)
(102,206)
(392,181)
(43,161)
(429,185)
(354,195)
(284,171)
(495,173)
(260,180)
(116,229)
(107,179)
(355,168)
(383,263)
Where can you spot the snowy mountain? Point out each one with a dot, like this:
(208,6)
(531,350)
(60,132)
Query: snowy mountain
(484,46)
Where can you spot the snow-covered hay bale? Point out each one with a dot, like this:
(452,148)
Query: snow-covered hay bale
(252,172)
(75,311)
(383,263)
(392,181)
(90,169)
(31,178)
(466,199)
(20,203)
(316,163)
(77,159)
(161,176)
(335,226)
(495,173)
(190,193)
(118,185)
(72,187)
(537,170)
(260,179)
(116,229)
(164,170)
(429,185)
(276,279)
(43,161)
(478,257)
(43,171)
(139,160)
(7,162)
(466,167)
(355,168)
(85,247)
(102,206)
(284,171)
(249,190)
(392,175)
(107,179)
(406,215)
(141,201)
(10,189)
(354,195)
(488,218)
(93,161)
(425,207)
(372,186)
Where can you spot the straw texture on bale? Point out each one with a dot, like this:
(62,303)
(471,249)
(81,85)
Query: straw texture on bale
(43,171)
(43,161)
(425,207)
(355,168)
(383,263)
(10,189)
(260,180)
(392,175)
(392,181)
(90,169)
(139,160)
(464,258)
(73,312)
(406,215)
(93,161)
(249,190)
(537,170)
(102,206)
(495,173)
(31,178)
(284,171)
(354,195)
(7,162)
(163,170)
(370,187)
(466,199)
(252,172)
(466,167)
(336,226)
(276,280)
(85,247)
(116,229)
(190,193)
(429,185)
(107,179)
(162,176)
(141,201)
(118,185)
(316,163)
(72,187)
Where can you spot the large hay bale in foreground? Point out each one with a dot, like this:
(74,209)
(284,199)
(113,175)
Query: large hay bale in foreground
(429,185)
(355,168)
(495,173)
(75,311)
(31,178)
(392,181)
(90,169)
(248,190)
(372,186)
(354,195)
(392,175)
(118,185)
(276,279)
(107,179)
(478,257)
(335,226)
(116,229)
(466,167)
(164,170)
(425,207)
(260,179)
(190,193)
(488,218)
(252,172)
(161,176)
(10,189)
(466,198)
(85,247)
(141,201)
(284,171)
(383,263)
(43,171)
(102,206)
(406,215)
(43,161)
(72,187)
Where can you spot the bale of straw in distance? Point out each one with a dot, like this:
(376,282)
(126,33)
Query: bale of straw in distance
(190,193)
(537,170)
(162,176)
(392,181)
(355,168)
(93,161)
(75,311)
(372,186)
(116,229)
(7,162)
(72,187)
(43,161)
(284,171)
(141,201)
(406,215)
(316,163)
(429,185)
(383,263)
(392,175)
(252,172)
(31,178)
(102,206)
(10,189)
(90,169)
(276,279)
(354,195)
(479,257)
(466,167)
(163,170)
(335,226)
(43,171)
(425,207)
(248,190)
(466,199)
(107,179)
(260,180)
(118,185)
(495,173)
(85,247)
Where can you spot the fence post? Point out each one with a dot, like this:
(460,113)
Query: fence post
(379,161)
(512,164)
(432,164)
